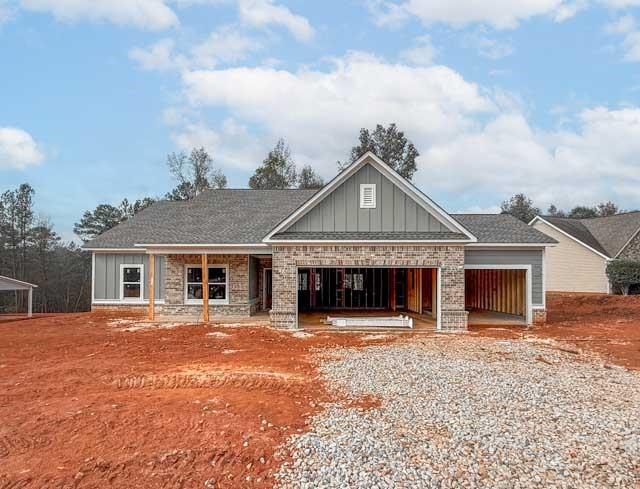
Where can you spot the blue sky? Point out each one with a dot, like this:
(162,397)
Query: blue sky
(539,96)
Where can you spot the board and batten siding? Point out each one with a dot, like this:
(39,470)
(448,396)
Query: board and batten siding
(513,257)
(340,210)
(571,267)
(106,286)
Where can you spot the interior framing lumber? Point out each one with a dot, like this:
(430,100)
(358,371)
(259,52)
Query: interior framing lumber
(499,290)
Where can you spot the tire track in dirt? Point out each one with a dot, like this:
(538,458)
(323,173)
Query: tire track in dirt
(273,382)
(9,444)
(167,470)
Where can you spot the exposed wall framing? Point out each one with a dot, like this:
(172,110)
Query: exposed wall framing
(496,290)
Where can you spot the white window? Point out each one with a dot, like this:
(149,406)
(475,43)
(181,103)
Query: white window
(368,196)
(217,278)
(131,282)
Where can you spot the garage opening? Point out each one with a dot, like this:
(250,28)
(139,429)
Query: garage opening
(361,292)
(496,296)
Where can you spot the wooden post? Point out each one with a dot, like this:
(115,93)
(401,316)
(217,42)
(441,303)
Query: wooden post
(30,303)
(205,289)
(151,287)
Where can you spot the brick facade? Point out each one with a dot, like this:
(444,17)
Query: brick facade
(287,260)
(539,316)
(237,291)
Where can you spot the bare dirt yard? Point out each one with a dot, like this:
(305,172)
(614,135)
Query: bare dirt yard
(86,403)
(606,324)
(92,400)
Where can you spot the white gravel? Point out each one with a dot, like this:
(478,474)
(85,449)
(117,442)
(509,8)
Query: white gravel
(472,412)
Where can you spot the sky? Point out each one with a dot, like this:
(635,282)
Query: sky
(499,96)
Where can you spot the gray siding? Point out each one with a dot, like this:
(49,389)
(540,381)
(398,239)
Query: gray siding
(340,210)
(107,274)
(512,257)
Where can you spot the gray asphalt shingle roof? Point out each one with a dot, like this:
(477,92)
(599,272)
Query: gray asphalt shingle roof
(608,235)
(243,216)
(501,228)
(229,216)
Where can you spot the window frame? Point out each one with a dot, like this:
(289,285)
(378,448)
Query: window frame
(363,188)
(224,301)
(139,266)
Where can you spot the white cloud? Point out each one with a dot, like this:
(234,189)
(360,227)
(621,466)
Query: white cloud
(422,53)
(146,14)
(486,46)
(627,27)
(7,11)
(232,145)
(18,149)
(507,155)
(159,56)
(226,45)
(621,4)
(472,141)
(321,112)
(262,13)
(501,14)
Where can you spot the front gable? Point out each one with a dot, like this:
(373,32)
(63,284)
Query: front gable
(399,207)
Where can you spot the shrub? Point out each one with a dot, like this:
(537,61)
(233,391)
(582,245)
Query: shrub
(623,274)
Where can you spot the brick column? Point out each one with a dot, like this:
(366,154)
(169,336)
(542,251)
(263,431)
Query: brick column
(284,287)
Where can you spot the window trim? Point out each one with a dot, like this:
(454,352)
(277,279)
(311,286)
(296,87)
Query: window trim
(363,188)
(209,266)
(140,266)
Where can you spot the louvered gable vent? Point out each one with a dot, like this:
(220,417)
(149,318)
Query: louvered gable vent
(368,196)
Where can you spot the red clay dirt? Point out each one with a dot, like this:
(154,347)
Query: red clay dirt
(606,324)
(85,404)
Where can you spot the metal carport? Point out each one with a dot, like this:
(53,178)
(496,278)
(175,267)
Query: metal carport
(7,283)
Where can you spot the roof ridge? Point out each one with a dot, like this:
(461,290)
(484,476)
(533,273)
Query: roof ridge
(612,215)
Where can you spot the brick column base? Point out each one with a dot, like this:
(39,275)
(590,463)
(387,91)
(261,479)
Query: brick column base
(283,319)
(454,321)
(539,316)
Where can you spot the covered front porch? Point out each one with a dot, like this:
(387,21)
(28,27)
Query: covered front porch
(233,284)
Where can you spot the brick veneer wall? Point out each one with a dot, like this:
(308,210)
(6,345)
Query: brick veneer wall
(539,316)
(287,259)
(238,288)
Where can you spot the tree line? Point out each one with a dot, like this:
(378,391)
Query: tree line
(523,208)
(31,251)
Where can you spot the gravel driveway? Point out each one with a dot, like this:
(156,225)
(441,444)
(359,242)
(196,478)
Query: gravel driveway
(459,411)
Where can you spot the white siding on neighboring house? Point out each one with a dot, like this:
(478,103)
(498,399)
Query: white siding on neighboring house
(570,266)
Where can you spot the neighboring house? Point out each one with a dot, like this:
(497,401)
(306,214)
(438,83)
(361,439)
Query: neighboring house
(367,242)
(578,263)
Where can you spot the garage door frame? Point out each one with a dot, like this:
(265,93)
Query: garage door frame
(438,286)
(528,283)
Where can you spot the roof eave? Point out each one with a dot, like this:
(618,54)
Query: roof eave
(570,236)
(368,241)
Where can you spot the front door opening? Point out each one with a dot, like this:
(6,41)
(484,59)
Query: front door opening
(267,289)
(366,291)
